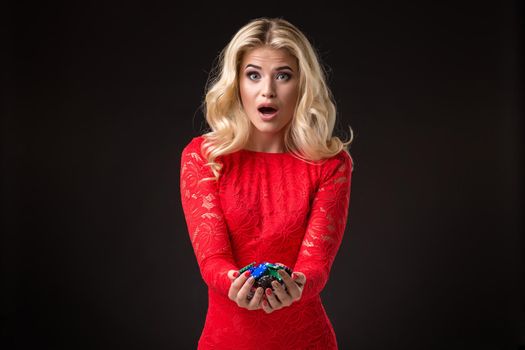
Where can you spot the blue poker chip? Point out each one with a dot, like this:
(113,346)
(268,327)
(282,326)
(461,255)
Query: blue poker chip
(259,271)
(264,274)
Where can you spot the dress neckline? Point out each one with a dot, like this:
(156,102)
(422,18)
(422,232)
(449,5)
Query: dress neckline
(266,153)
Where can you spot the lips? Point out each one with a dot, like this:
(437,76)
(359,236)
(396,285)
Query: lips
(267,111)
(267,108)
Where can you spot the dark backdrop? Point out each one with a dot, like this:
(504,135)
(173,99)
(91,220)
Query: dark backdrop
(99,100)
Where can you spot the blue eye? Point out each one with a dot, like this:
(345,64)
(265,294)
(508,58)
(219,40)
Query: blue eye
(252,75)
(283,76)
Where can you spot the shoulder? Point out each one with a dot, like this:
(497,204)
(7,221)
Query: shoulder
(191,153)
(194,144)
(342,162)
(193,147)
(337,168)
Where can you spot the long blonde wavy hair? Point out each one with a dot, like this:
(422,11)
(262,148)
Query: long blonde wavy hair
(308,136)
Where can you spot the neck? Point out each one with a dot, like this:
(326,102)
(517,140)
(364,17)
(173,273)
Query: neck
(266,142)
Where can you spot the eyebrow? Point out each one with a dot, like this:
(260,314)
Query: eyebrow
(275,69)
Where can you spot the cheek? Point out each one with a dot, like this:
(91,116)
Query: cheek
(291,98)
(245,93)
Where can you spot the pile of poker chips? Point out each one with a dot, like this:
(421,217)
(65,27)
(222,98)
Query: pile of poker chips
(264,274)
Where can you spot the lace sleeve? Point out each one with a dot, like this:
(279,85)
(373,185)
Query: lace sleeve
(205,221)
(326,225)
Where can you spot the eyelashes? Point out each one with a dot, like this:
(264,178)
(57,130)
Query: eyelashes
(287,76)
(252,75)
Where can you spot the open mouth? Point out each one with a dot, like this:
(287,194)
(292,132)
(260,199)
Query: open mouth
(267,110)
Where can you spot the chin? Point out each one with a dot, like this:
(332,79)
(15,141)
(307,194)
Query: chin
(267,129)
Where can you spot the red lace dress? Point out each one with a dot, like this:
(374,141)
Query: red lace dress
(265,207)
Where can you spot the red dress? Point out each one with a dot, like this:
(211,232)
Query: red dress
(265,207)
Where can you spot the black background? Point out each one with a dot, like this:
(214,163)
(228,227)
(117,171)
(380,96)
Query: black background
(99,100)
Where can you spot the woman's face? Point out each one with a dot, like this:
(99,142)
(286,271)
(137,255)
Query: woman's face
(269,87)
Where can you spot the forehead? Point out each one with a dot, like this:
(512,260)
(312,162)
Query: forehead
(269,57)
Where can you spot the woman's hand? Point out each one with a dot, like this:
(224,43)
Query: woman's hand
(281,297)
(240,288)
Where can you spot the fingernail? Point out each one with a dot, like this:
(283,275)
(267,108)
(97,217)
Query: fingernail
(247,273)
(265,303)
(268,291)
(236,274)
(294,276)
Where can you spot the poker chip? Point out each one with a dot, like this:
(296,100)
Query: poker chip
(264,274)
(247,267)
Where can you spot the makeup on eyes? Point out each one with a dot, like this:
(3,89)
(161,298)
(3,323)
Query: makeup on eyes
(287,75)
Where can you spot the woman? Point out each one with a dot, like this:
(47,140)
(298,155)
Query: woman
(268,183)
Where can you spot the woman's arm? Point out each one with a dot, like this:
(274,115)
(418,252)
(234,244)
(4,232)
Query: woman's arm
(326,225)
(205,220)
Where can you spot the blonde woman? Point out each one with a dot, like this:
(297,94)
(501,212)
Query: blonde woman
(267,183)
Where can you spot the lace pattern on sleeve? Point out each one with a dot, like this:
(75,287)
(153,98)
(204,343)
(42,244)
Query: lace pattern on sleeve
(205,220)
(326,225)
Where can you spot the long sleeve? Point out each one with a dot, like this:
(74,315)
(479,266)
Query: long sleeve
(205,220)
(326,225)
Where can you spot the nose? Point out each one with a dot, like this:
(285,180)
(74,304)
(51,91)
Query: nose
(268,89)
